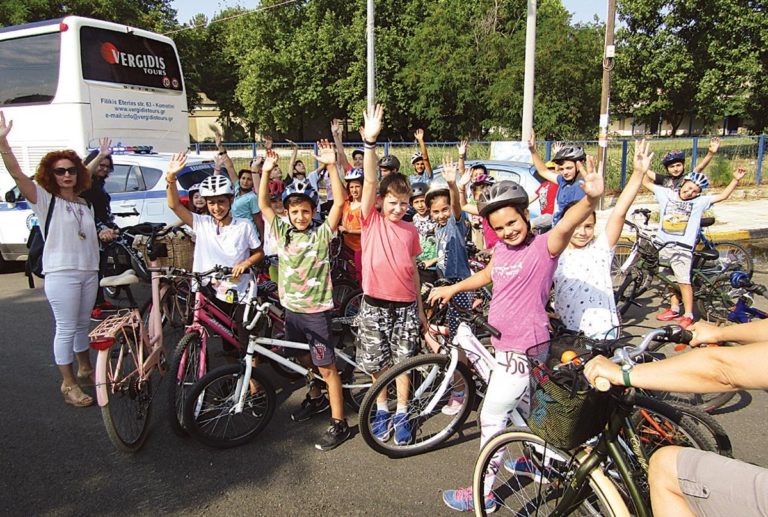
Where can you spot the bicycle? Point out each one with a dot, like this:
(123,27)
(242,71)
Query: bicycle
(130,351)
(232,404)
(531,473)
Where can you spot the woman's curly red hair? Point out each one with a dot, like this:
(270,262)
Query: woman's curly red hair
(47,179)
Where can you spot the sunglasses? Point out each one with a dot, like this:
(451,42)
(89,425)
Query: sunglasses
(61,171)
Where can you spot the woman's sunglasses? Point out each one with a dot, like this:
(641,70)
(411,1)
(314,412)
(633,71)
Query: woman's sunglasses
(61,171)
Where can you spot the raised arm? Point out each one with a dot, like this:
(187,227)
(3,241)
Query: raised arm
(463,147)
(294,153)
(559,236)
(264,204)
(341,156)
(104,151)
(327,159)
(541,167)
(419,134)
(449,174)
(25,184)
(727,191)
(222,159)
(714,147)
(642,162)
(177,163)
(372,120)
(465,180)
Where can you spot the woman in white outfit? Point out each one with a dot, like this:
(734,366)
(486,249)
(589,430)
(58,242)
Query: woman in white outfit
(70,258)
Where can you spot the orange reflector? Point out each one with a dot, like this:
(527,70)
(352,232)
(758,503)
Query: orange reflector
(102,343)
(63,27)
(680,347)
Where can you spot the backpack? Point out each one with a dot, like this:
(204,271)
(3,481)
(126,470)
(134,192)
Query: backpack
(36,245)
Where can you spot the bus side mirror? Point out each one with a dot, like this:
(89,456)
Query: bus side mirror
(10,196)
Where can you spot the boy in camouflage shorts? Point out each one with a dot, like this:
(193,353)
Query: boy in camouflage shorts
(391,316)
(304,284)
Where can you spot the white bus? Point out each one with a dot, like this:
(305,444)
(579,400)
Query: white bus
(65,83)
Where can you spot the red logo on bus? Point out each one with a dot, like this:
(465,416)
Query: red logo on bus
(110,53)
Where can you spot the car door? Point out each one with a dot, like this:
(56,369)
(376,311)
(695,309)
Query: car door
(128,193)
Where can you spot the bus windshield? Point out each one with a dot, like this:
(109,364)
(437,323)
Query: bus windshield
(29,69)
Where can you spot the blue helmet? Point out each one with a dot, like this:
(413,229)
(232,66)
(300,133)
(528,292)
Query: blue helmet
(354,174)
(672,157)
(698,179)
(301,188)
(740,279)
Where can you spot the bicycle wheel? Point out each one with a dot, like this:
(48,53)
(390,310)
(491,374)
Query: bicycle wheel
(714,301)
(209,410)
(629,290)
(341,289)
(734,257)
(429,391)
(621,252)
(659,424)
(707,402)
(710,428)
(187,367)
(527,476)
(129,396)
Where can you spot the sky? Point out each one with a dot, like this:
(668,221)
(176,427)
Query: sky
(582,10)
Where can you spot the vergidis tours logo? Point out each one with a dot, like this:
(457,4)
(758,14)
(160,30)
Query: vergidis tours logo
(151,65)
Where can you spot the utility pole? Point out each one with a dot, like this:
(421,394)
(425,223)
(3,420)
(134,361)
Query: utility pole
(530,66)
(371,55)
(605,95)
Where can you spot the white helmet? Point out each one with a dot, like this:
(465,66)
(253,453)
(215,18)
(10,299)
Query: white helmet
(216,185)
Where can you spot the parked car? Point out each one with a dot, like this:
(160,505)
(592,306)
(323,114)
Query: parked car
(520,172)
(137,187)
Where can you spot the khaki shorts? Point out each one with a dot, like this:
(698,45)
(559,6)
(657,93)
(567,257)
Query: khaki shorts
(717,486)
(680,260)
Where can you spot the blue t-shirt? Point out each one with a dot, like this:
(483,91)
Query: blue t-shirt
(246,205)
(451,239)
(680,220)
(567,194)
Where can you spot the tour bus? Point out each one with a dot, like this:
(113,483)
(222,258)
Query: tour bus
(66,83)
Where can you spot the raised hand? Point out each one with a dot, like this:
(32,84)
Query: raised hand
(217,139)
(462,147)
(466,177)
(739,173)
(593,181)
(449,170)
(419,134)
(218,162)
(4,128)
(336,128)
(372,120)
(105,146)
(643,156)
(268,142)
(327,152)
(714,144)
(556,147)
(270,161)
(292,143)
(177,163)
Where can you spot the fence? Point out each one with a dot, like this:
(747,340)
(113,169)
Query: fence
(735,151)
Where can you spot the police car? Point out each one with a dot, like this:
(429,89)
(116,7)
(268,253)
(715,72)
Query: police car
(136,185)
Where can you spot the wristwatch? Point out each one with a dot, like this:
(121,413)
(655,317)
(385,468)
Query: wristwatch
(625,369)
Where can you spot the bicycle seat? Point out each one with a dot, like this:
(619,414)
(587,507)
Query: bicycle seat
(707,221)
(127,277)
(706,254)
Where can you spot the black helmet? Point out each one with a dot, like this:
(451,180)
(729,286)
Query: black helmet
(571,153)
(390,161)
(419,189)
(503,193)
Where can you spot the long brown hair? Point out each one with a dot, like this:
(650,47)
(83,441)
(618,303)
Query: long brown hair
(47,179)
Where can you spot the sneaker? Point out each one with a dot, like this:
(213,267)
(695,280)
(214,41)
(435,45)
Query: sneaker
(667,315)
(684,322)
(524,467)
(338,432)
(382,425)
(461,500)
(454,405)
(402,429)
(311,407)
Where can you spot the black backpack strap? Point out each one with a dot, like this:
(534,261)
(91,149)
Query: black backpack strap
(48,217)
(27,266)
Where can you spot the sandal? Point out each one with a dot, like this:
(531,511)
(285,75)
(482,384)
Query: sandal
(74,396)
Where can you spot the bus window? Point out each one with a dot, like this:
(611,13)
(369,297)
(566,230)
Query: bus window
(29,69)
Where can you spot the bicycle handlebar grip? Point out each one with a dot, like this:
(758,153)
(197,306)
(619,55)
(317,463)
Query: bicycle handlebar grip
(495,333)
(681,336)
(602,384)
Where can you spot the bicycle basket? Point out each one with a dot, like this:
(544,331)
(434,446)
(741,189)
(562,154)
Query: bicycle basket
(175,249)
(565,411)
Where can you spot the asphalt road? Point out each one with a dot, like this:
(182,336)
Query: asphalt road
(57,460)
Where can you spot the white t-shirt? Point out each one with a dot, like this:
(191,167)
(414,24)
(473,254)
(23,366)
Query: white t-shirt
(583,289)
(64,249)
(680,220)
(223,246)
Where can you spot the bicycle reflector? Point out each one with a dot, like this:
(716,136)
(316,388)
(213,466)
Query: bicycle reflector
(102,343)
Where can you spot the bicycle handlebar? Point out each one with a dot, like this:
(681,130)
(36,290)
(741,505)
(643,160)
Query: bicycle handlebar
(625,355)
(471,317)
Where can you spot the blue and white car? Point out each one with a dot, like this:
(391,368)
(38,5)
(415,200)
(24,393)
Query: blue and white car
(137,187)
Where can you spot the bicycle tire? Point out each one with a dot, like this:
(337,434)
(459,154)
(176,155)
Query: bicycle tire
(710,427)
(659,424)
(525,494)
(628,291)
(734,257)
(216,392)
(129,399)
(341,289)
(186,365)
(715,300)
(428,431)
(621,251)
